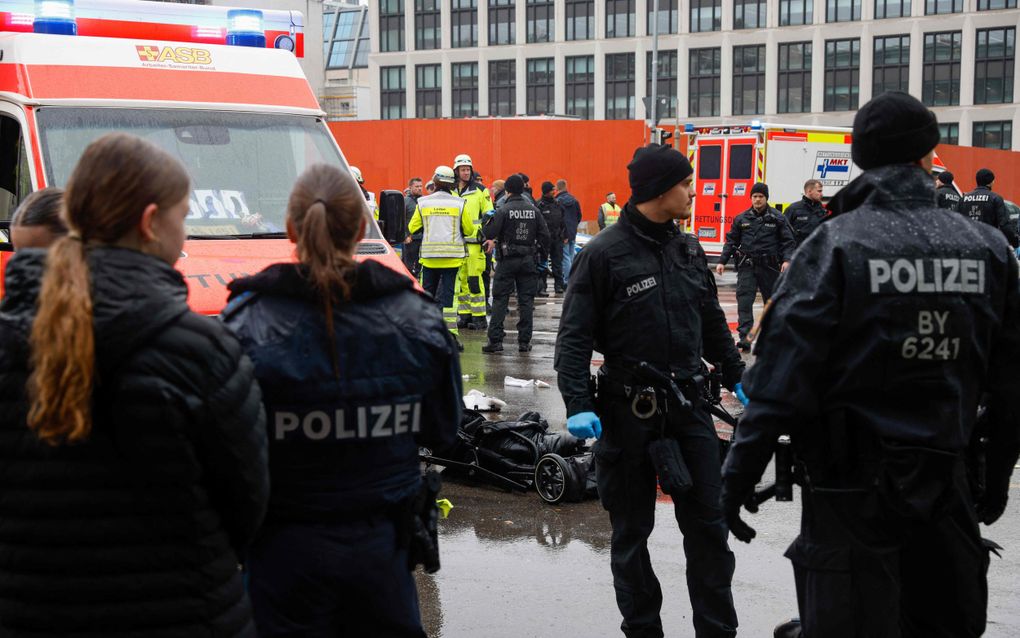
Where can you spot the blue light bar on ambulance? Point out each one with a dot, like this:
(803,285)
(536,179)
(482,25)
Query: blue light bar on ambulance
(245,28)
(55,17)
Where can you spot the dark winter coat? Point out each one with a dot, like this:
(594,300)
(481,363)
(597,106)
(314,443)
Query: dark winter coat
(641,291)
(984,205)
(947,197)
(571,214)
(136,531)
(804,217)
(891,322)
(519,228)
(344,444)
(553,214)
(753,234)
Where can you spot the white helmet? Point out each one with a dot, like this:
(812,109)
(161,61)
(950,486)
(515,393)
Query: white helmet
(444,175)
(462,160)
(356,172)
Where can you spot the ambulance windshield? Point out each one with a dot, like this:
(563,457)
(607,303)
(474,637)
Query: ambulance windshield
(242,165)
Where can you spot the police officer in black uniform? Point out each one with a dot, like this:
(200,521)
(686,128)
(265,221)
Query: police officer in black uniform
(553,214)
(945,193)
(982,205)
(807,214)
(517,230)
(640,293)
(763,243)
(892,321)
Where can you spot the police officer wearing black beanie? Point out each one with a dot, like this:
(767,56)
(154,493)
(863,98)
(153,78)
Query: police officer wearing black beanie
(762,241)
(640,293)
(892,322)
(983,205)
(946,195)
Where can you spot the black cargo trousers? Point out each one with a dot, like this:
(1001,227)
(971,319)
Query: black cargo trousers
(863,570)
(520,272)
(754,274)
(627,487)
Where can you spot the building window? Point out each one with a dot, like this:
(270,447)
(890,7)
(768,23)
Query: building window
(842,10)
(464,23)
(428,91)
(580,84)
(392,92)
(348,45)
(795,77)
(949,132)
(892,64)
(465,89)
(502,22)
(748,14)
(706,15)
(620,86)
(993,66)
(503,87)
(540,20)
(942,68)
(666,86)
(704,80)
(749,79)
(391,25)
(993,135)
(934,7)
(619,18)
(426,24)
(580,16)
(668,19)
(992,5)
(796,12)
(892,9)
(541,85)
(842,74)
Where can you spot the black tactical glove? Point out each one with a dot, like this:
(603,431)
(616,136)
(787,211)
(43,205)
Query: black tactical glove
(733,496)
(993,501)
(731,376)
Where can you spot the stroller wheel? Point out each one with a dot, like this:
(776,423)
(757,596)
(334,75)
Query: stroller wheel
(551,476)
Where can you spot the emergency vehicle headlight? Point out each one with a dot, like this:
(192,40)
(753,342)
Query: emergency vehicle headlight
(55,17)
(755,123)
(245,28)
(285,42)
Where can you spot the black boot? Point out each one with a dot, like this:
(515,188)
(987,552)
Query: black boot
(478,323)
(789,629)
(463,321)
(492,347)
(523,347)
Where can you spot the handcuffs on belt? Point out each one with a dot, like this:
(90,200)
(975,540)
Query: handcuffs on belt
(645,404)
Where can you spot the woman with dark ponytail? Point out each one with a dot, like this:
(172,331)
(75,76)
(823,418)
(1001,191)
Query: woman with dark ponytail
(132,437)
(357,370)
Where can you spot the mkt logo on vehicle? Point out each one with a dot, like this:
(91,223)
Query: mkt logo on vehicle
(832,168)
(173,57)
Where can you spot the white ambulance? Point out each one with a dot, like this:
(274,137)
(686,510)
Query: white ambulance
(729,160)
(219,88)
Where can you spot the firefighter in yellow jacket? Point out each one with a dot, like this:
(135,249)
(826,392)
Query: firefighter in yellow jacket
(471,291)
(447,222)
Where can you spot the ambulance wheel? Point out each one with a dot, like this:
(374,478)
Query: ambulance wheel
(551,478)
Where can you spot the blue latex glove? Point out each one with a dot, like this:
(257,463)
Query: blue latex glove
(738,390)
(585,425)
(1018,253)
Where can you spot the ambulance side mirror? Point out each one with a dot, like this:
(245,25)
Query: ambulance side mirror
(5,237)
(392,216)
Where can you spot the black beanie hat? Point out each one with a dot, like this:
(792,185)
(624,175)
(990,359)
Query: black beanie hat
(946,177)
(655,169)
(761,187)
(547,187)
(984,177)
(893,128)
(514,185)
(525,178)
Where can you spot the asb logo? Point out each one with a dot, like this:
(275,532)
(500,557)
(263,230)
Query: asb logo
(833,167)
(173,55)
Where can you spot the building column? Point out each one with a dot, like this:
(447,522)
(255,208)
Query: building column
(683,82)
(560,88)
(521,84)
(726,70)
(520,22)
(559,22)
(818,70)
(409,84)
(641,10)
(968,55)
(483,85)
(771,73)
(600,77)
(916,82)
(867,64)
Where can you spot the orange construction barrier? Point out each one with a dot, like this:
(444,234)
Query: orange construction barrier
(591,155)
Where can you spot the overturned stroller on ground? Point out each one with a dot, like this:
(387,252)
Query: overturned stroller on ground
(518,455)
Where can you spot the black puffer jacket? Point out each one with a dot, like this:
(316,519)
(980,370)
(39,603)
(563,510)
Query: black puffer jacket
(137,531)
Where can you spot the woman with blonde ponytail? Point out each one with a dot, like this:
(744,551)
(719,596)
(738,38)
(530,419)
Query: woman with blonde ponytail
(357,371)
(132,438)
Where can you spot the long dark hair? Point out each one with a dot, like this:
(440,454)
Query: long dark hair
(326,210)
(117,177)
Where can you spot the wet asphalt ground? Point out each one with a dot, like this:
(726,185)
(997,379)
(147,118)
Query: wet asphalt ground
(515,567)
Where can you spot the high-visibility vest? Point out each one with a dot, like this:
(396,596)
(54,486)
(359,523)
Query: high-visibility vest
(611,213)
(442,237)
